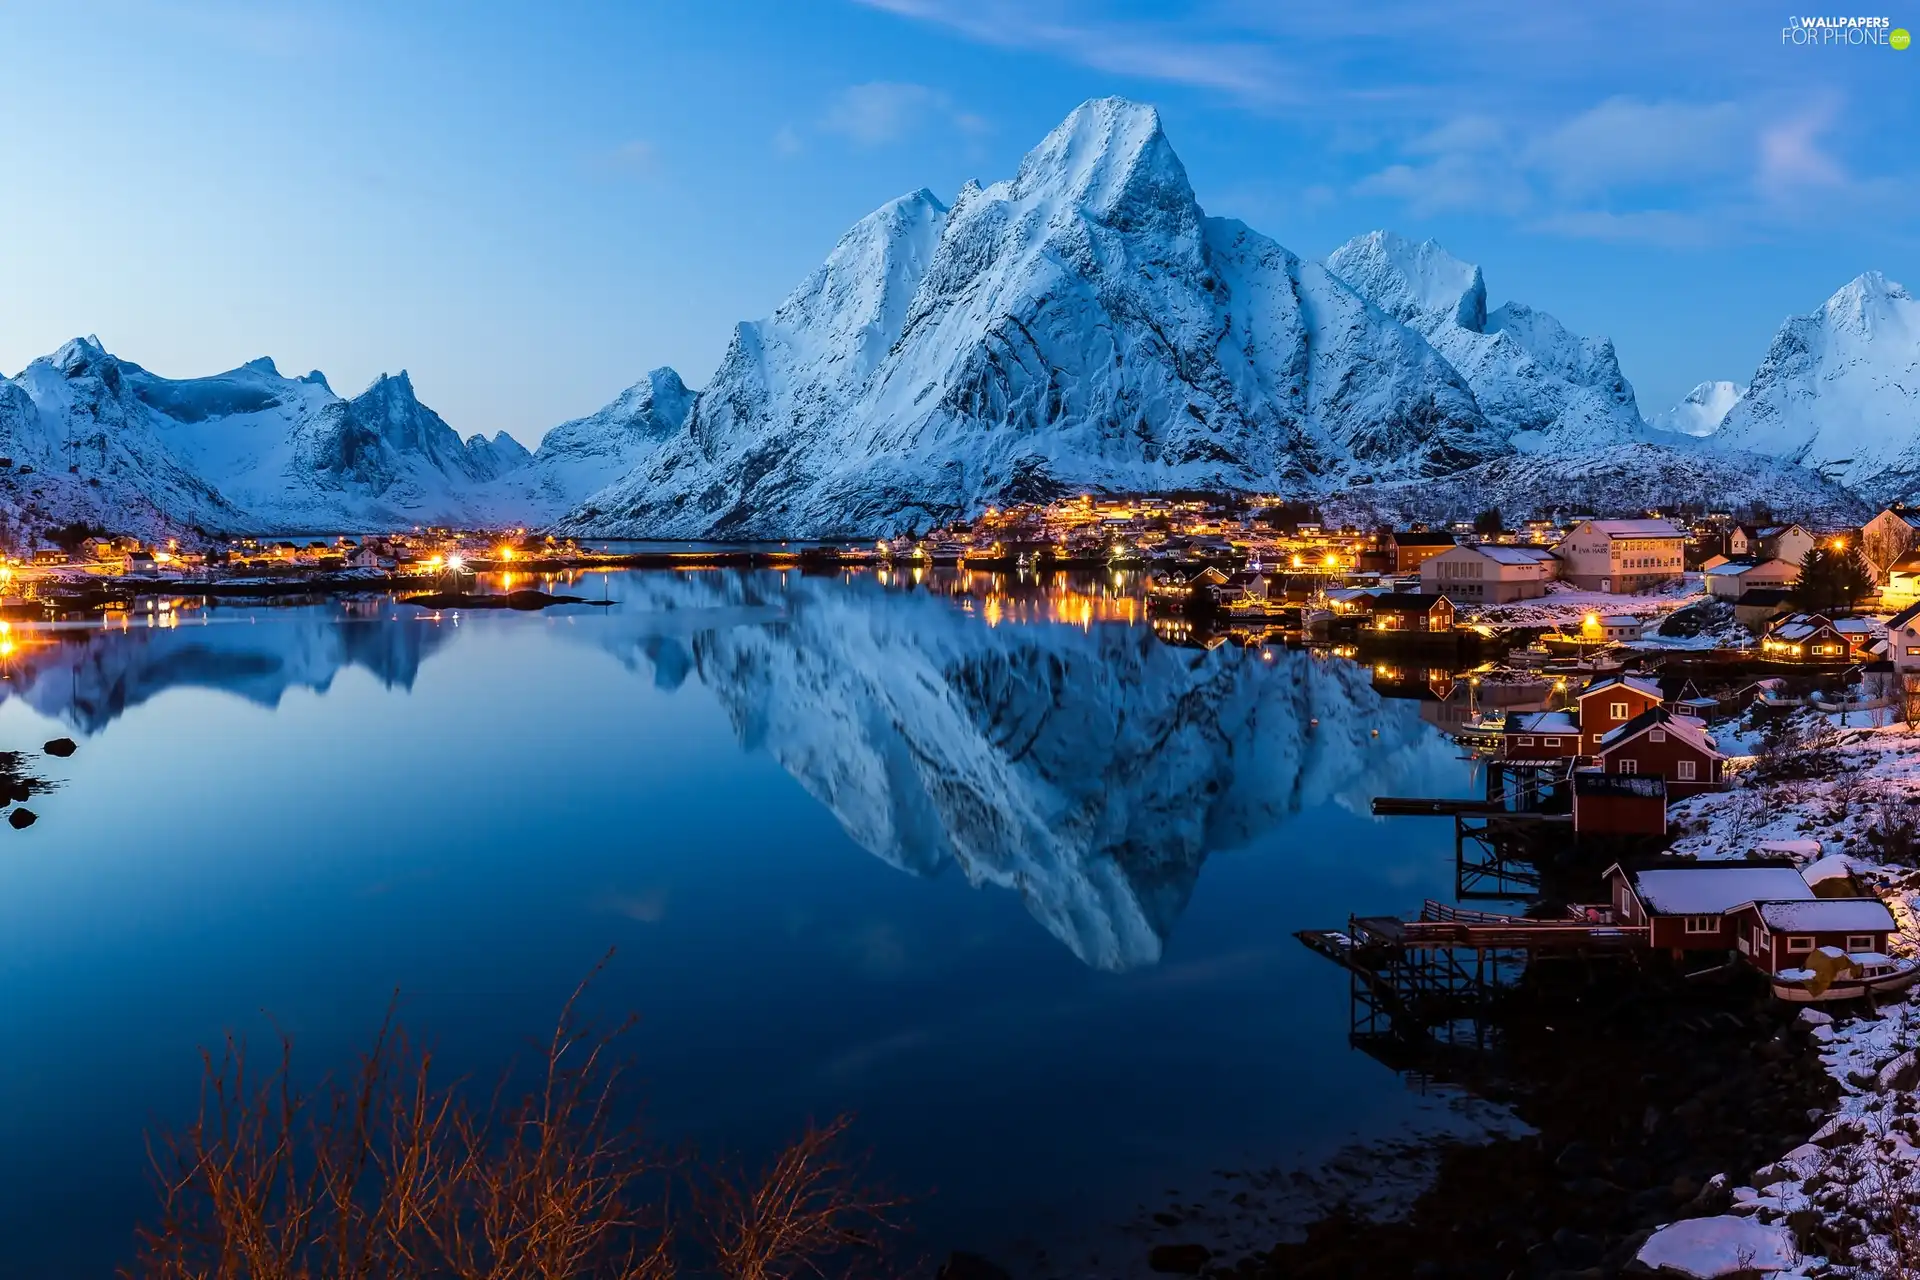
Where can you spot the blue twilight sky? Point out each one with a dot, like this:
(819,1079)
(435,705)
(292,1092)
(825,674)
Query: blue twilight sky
(529,205)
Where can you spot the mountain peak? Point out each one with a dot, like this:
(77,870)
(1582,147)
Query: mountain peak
(1408,280)
(1107,153)
(264,364)
(76,355)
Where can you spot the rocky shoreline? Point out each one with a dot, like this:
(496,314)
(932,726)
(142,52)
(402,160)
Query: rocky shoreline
(1650,1101)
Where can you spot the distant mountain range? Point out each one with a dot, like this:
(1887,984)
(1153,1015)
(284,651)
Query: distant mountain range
(1083,324)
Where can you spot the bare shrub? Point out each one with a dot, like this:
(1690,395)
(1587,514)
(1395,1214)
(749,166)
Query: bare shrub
(393,1175)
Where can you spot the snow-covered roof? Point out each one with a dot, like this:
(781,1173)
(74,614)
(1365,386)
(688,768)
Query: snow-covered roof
(1639,684)
(1731,569)
(1856,626)
(1511,555)
(1620,620)
(1544,722)
(1827,915)
(1835,866)
(1795,848)
(1709,890)
(1635,528)
(1795,630)
(1687,730)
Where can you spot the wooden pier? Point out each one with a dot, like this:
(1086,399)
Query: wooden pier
(1447,965)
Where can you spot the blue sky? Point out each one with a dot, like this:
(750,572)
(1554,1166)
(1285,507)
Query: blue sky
(528,206)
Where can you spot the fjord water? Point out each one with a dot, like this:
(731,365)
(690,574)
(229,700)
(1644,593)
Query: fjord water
(1005,876)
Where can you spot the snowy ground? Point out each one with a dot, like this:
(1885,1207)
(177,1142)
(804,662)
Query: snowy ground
(1565,606)
(1818,787)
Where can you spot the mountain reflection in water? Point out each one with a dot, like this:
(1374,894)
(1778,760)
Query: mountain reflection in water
(1090,768)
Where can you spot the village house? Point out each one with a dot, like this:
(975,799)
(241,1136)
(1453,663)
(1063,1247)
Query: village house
(1903,640)
(1787,542)
(1609,804)
(1487,574)
(1809,638)
(1761,605)
(1622,556)
(1733,579)
(1612,628)
(1413,549)
(1609,703)
(1412,613)
(1660,744)
(1888,539)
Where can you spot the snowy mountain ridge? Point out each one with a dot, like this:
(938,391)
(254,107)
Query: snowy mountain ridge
(1084,324)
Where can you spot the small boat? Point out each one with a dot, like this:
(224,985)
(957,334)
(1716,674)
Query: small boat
(1485,727)
(1534,655)
(1866,973)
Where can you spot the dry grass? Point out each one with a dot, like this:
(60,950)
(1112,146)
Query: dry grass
(393,1175)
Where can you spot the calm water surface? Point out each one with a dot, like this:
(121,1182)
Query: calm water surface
(1012,882)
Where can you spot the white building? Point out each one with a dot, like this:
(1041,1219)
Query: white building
(1487,574)
(1903,640)
(1731,580)
(1622,556)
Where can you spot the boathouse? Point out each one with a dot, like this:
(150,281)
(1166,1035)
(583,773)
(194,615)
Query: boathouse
(1658,743)
(1776,934)
(1607,804)
(1685,908)
(1609,703)
(1542,735)
(1412,613)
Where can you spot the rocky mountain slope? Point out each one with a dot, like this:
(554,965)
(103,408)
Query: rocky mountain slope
(1085,324)
(1701,411)
(1082,323)
(1545,388)
(1839,391)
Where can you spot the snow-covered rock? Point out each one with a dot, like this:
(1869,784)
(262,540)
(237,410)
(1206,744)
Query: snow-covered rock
(1547,389)
(1083,323)
(1839,391)
(579,457)
(1701,411)
(1708,1248)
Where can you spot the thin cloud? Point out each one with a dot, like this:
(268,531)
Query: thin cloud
(636,157)
(1791,158)
(883,112)
(1627,142)
(1250,70)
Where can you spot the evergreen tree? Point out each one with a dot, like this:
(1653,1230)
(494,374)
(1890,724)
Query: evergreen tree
(1852,579)
(1488,522)
(1815,589)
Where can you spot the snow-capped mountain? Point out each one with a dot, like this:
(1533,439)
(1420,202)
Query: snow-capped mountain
(91,437)
(1839,391)
(1090,771)
(581,456)
(1702,411)
(1082,323)
(79,445)
(1546,389)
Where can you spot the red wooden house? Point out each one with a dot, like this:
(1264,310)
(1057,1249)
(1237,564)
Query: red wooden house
(1775,935)
(1608,703)
(1542,735)
(1686,907)
(1658,743)
(1610,804)
(1412,613)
